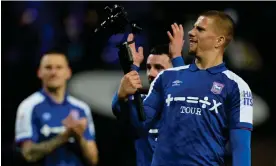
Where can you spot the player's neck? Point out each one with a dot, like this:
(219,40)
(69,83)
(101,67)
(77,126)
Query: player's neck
(57,94)
(209,60)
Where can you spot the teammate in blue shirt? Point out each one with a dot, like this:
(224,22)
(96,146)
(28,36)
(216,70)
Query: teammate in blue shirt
(161,57)
(52,127)
(204,104)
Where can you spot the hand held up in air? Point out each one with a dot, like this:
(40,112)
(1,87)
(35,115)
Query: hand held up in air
(137,56)
(176,40)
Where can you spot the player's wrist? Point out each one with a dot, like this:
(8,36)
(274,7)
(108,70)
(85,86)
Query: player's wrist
(80,138)
(175,55)
(63,137)
(122,94)
(135,67)
(136,64)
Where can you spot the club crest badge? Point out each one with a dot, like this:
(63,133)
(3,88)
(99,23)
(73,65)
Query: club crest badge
(217,87)
(75,114)
(46,116)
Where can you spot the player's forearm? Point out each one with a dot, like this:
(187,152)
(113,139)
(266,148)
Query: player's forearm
(122,110)
(242,157)
(36,151)
(150,114)
(240,143)
(119,106)
(90,152)
(142,125)
(116,105)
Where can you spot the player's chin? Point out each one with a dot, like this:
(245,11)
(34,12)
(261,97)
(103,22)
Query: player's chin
(53,85)
(150,79)
(192,51)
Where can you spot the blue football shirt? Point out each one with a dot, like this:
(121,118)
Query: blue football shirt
(200,107)
(145,140)
(39,118)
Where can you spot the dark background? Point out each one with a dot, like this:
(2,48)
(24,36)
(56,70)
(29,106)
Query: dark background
(31,28)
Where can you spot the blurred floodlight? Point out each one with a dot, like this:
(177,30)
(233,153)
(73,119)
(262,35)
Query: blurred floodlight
(243,55)
(29,16)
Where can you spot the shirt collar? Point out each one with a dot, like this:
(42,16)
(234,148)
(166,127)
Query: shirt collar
(48,98)
(213,70)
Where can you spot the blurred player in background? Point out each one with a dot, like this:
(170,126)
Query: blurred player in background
(161,57)
(204,104)
(52,127)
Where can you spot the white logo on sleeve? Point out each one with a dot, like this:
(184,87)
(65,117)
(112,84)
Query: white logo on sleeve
(247,98)
(21,125)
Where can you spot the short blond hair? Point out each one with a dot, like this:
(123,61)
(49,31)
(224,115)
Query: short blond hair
(224,24)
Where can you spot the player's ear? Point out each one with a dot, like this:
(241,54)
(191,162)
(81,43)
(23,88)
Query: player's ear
(69,73)
(220,41)
(38,73)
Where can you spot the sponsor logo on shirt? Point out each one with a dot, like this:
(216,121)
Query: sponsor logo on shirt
(247,98)
(176,83)
(203,102)
(47,130)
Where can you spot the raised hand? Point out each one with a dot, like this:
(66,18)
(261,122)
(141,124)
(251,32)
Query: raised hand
(138,57)
(176,40)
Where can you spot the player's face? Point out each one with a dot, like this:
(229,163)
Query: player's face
(54,71)
(202,37)
(156,64)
